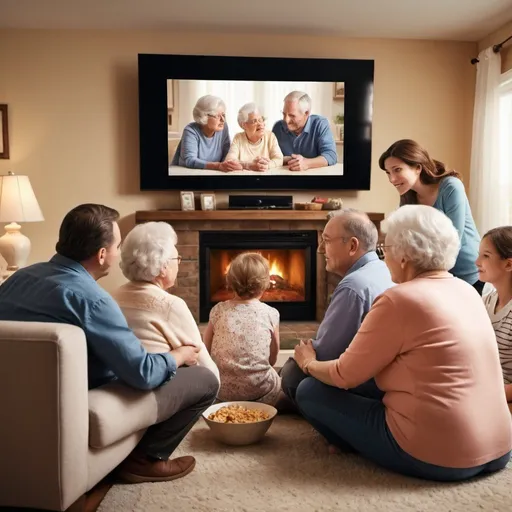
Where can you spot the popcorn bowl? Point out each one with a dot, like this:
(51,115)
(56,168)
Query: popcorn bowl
(240,434)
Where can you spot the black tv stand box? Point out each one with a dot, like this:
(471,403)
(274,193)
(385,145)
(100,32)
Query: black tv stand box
(261,202)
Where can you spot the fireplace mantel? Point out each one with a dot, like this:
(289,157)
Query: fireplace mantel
(289,215)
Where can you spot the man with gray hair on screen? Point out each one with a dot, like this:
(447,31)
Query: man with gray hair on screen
(305,139)
(349,241)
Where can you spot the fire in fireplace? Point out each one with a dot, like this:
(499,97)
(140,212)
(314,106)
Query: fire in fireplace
(287,274)
(292,260)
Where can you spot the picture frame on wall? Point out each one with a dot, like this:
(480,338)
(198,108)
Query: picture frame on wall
(339,91)
(187,201)
(208,202)
(4,132)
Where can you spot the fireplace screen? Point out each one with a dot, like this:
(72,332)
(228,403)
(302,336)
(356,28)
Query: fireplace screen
(287,274)
(292,260)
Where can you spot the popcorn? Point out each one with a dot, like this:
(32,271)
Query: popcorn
(238,414)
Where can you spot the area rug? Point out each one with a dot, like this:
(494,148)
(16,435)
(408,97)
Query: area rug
(292,470)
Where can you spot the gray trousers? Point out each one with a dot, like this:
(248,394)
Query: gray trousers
(181,402)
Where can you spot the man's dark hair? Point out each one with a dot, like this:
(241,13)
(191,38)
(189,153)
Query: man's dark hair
(85,230)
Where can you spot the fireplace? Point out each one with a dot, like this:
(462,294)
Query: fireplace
(292,260)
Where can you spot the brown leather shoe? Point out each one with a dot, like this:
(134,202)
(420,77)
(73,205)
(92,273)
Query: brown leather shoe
(136,469)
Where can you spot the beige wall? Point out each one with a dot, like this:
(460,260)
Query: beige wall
(497,37)
(73,111)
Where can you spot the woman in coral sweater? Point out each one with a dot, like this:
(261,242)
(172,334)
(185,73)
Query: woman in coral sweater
(430,346)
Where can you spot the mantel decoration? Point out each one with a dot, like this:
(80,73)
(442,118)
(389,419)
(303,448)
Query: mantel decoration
(187,201)
(208,202)
(4,133)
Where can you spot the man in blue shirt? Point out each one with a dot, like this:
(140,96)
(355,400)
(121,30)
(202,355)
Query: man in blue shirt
(64,290)
(349,241)
(305,139)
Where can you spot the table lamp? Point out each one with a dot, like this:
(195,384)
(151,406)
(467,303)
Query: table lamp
(18,203)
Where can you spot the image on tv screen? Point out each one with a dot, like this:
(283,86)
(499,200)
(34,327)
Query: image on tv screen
(248,128)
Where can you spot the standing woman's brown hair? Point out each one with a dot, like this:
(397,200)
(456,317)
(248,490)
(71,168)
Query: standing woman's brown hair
(410,152)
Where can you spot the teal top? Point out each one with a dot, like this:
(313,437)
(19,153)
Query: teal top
(453,202)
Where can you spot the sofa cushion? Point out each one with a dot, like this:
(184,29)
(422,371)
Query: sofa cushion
(116,411)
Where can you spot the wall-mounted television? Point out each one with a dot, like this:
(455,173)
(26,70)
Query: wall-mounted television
(197,130)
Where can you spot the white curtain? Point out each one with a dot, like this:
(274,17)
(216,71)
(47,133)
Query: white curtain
(506,144)
(488,198)
(267,95)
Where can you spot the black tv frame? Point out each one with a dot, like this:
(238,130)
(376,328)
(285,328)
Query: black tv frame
(155,70)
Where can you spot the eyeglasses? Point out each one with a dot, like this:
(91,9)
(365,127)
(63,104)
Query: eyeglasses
(218,116)
(255,121)
(179,258)
(323,241)
(381,250)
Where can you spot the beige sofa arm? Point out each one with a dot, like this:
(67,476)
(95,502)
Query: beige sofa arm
(44,414)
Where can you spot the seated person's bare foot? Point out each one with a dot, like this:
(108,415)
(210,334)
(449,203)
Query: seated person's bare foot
(139,468)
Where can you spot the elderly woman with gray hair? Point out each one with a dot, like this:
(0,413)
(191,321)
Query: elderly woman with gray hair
(429,344)
(162,321)
(254,149)
(205,142)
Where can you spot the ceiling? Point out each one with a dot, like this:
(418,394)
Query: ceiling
(462,20)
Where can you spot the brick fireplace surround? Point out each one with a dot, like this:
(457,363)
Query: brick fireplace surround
(188,225)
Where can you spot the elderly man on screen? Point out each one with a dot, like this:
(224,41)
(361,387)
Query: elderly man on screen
(306,139)
(348,241)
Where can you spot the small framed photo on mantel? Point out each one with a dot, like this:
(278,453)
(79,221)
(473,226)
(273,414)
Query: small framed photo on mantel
(208,202)
(187,201)
(4,133)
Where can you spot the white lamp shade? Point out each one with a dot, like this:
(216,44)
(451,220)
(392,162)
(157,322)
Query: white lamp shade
(18,202)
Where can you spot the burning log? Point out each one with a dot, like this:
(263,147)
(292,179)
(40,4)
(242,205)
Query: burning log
(278,282)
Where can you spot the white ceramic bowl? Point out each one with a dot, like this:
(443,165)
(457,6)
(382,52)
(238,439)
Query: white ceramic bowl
(239,434)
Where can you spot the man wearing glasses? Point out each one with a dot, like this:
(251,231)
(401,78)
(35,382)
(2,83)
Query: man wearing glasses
(348,241)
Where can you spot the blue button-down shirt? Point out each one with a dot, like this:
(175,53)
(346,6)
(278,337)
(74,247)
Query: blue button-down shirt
(316,139)
(62,291)
(350,302)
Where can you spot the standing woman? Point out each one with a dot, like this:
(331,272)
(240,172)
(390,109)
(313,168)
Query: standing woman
(419,179)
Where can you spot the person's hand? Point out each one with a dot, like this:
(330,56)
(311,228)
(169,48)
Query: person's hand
(262,160)
(304,353)
(230,165)
(297,163)
(258,166)
(186,355)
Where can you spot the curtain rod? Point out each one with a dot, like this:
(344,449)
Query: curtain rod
(496,49)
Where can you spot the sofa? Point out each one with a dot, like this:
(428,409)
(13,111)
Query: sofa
(57,439)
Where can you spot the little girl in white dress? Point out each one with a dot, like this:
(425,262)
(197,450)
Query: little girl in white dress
(243,335)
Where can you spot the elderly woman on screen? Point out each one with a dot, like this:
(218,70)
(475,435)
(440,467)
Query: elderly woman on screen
(431,348)
(205,142)
(255,148)
(161,321)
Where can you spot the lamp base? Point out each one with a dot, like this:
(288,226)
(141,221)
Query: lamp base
(14,247)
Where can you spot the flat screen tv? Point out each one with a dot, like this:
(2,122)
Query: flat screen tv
(331,98)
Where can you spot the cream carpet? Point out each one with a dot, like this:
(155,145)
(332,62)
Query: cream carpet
(291,470)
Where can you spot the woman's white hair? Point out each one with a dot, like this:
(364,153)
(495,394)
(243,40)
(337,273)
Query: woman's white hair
(245,112)
(207,105)
(146,250)
(302,98)
(422,235)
